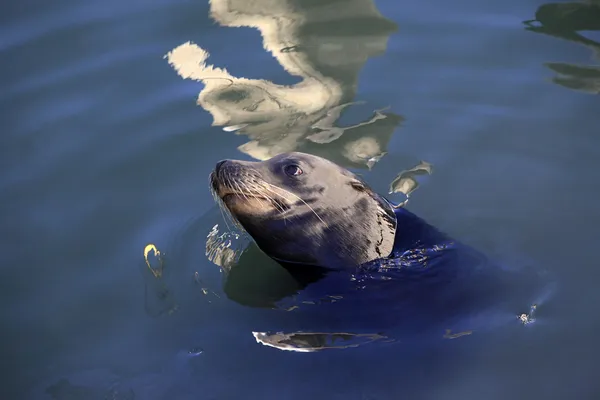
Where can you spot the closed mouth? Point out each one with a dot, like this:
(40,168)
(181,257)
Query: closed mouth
(224,191)
(228,194)
(232,194)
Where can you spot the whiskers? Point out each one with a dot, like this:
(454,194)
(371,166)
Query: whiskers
(268,187)
(248,186)
(225,213)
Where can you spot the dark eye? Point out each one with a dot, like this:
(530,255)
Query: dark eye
(293,170)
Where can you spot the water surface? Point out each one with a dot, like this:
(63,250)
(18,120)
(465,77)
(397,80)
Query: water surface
(107,148)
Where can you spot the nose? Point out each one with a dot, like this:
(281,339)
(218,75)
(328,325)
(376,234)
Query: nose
(219,165)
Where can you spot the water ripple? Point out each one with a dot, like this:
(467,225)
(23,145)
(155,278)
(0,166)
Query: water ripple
(78,69)
(30,29)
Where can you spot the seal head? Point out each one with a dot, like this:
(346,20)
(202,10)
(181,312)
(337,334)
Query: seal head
(304,209)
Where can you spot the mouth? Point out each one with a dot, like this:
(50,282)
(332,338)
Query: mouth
(227,194)
(235,198)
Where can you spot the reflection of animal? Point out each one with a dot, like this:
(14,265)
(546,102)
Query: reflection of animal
(317,42)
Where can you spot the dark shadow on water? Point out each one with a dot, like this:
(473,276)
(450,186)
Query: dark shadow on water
(566,21)
(259,281)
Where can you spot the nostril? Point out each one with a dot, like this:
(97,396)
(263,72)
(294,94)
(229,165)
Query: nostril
(219,165)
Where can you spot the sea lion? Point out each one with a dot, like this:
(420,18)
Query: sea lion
(306,212)
(304,209)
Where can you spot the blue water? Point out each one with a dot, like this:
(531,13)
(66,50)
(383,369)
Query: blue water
(105,150)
